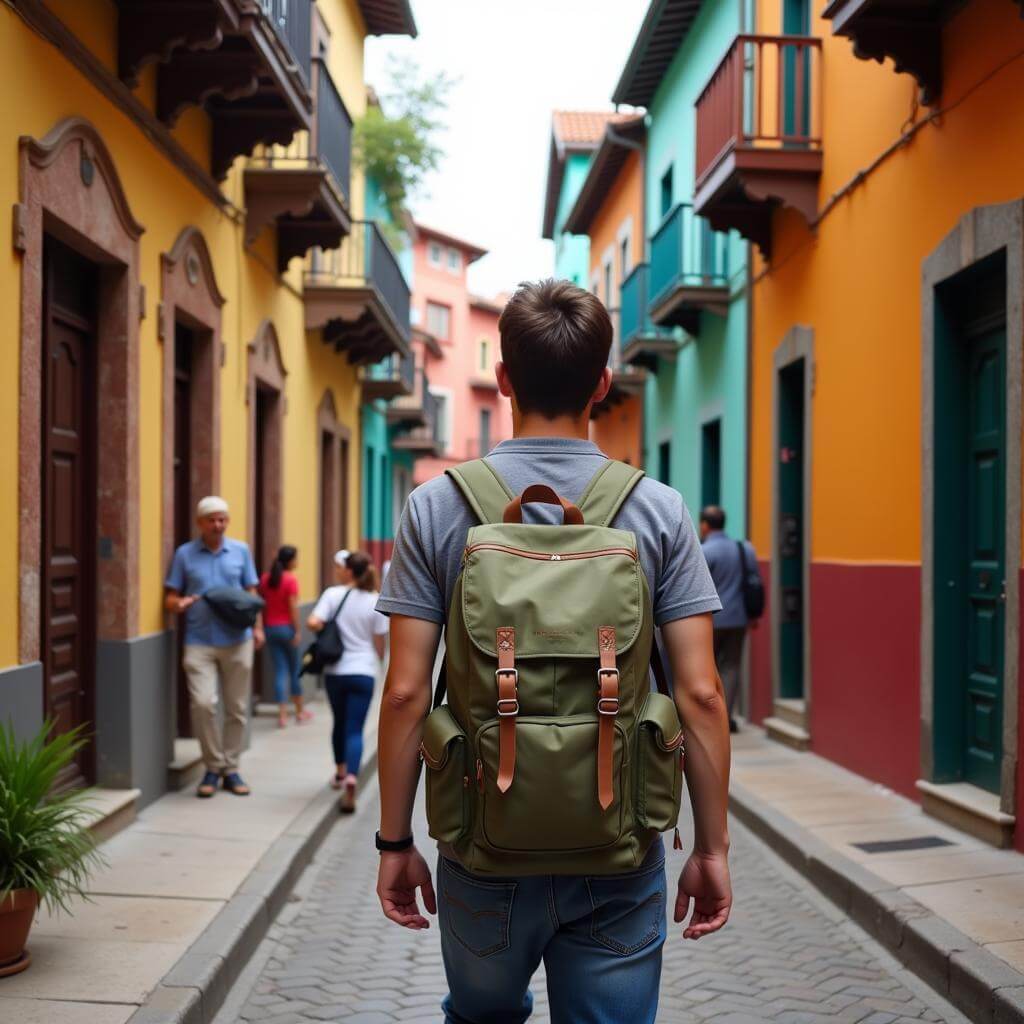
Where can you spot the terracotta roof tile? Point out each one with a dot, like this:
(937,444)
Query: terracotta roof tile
(582,127)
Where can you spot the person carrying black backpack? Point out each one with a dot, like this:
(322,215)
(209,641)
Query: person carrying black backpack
(733,565)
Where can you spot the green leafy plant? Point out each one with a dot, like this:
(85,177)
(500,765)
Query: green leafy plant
(397,149)
(45,842)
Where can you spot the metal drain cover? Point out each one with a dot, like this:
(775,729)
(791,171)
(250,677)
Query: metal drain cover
(899,845)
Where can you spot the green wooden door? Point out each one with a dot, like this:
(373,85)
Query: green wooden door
(790,528)
(986,567)
(796,66)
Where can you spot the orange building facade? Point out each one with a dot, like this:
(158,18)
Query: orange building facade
(885,399)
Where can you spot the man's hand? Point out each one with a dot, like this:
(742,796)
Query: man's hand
(705,880)
(185,603)
(398,878)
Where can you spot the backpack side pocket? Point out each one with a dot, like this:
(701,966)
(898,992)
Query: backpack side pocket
(445,752)
(659,764)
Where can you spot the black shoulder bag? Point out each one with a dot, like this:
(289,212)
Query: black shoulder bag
(753,587)
(328,647)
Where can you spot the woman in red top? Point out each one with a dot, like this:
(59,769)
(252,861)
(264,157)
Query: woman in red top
(280,590)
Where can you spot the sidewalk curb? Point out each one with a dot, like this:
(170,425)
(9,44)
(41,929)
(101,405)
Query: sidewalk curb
(982,986)
(195,987)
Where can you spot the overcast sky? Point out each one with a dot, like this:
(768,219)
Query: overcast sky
(516,61)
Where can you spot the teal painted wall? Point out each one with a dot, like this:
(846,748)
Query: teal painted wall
(572,252)
(708,378)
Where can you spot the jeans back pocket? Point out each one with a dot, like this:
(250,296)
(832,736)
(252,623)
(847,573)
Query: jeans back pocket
(476,912)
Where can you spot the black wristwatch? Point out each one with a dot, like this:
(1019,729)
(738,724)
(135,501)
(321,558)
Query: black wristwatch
(392,845)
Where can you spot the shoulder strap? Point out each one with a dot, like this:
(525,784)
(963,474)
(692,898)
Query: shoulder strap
(610,486)
(483,488)
(743,560)
(341,604)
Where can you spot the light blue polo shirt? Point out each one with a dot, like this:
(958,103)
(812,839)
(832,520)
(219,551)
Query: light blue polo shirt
(196,569)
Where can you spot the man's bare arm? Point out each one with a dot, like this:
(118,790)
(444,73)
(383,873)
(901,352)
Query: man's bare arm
(701,703)
(404,705)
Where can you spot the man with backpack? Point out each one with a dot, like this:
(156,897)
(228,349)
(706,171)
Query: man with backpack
(553,765)
(733,565)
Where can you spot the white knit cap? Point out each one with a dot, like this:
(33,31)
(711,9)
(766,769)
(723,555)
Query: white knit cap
(341,557)
(210,505)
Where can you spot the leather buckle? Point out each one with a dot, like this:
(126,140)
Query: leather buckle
(607,672)
(612,702)
(513,672)
(508,714)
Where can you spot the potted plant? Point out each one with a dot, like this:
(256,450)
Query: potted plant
(46,848)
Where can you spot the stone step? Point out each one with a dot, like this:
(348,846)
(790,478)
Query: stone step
(111,810)
(187,766)
(792,710)
(785,732)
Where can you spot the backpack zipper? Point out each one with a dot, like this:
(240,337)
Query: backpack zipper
(540,556)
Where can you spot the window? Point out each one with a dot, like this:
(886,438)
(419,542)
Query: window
(443,424)
(485,432)
(608,284)
(666,192)
(624,267)
(434,254)
(485,355)
(438,320)
(664,461)
(454,260)
(711,463)
(415,316)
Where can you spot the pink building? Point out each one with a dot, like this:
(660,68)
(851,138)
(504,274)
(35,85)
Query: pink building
(458,344)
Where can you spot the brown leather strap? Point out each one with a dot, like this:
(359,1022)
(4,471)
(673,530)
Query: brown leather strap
(508,705)
(513,513)
(607,709)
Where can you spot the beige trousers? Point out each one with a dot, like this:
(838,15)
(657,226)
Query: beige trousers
(203,664)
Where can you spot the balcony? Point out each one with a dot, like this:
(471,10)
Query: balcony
(419,416)
(246,62)
(689,271)
(358,297)
(303,187)
(759,135)
(909,33)
(393,377)
(641,342)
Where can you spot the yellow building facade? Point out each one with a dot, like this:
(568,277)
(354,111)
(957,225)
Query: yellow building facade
(179,186)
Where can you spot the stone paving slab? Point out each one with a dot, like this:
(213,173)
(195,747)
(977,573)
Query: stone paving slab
(787,955)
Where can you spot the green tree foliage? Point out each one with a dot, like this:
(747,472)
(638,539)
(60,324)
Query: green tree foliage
(395,143)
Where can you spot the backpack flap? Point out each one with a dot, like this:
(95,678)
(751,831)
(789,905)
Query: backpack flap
(556,585)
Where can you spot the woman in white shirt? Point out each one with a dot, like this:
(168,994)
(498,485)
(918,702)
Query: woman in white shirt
(350,680)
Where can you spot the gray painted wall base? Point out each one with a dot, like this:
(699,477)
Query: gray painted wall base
(134,695)
(21,698)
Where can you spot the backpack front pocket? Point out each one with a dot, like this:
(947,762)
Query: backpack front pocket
(445,752)
(552,805)
(659,768)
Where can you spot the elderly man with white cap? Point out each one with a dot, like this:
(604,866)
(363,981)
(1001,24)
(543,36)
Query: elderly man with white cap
(213,648)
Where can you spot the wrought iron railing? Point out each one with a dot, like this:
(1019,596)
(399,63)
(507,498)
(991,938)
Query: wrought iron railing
(765,94)
(634,319)
(686,252)
(364,258)
(293,21)
(333,129)
(395,367)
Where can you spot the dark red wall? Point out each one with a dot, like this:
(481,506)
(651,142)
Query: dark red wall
(866,670)
(759,643)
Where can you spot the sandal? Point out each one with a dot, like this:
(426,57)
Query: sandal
(208,786)
(233,784)
(347,804)
(303,716)
(337,781)
(282,719)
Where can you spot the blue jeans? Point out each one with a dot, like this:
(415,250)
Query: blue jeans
(350,701)
(286,662)
(600,937)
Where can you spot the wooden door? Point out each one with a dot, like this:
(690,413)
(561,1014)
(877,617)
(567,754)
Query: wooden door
(68,594)
(982,631)
(183,497)
(790,530)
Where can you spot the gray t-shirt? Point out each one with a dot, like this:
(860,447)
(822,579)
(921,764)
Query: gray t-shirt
(432,533)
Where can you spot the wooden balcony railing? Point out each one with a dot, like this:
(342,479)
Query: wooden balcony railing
(292,19)
(766,93)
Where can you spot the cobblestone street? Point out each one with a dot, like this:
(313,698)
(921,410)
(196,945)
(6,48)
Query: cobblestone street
(787,955)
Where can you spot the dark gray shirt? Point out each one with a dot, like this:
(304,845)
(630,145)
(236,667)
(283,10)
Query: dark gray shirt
(432,533)
(726,570)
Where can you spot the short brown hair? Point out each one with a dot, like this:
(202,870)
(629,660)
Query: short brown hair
(555,340)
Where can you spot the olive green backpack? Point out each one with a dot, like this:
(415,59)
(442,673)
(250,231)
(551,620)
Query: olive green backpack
(553,755)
